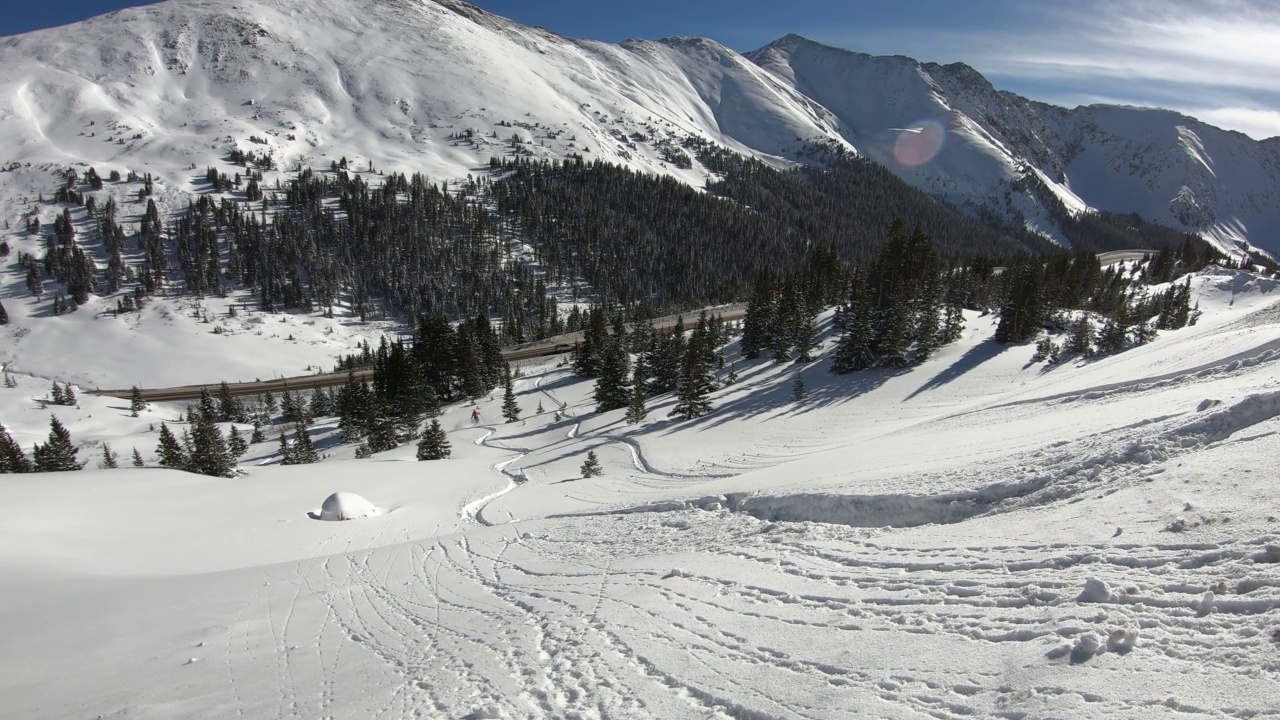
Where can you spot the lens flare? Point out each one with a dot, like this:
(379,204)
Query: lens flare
(920,143)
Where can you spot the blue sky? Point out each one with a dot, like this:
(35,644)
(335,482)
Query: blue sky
(1215,59)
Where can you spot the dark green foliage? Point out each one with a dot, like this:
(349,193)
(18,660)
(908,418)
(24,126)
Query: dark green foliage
(302,452)
(236,444)
(636,409)
(510,410)
(613,386)
(59,453)
(170,451)
(257,436)
(109,459)
(12,457)
(696,380)
(1080,342)
(1047,351)
(136,403)
(1023,313)
(56,394)
(4,314)
(207,409)
(434,444)
(591,467)
(207,453)
(137,459)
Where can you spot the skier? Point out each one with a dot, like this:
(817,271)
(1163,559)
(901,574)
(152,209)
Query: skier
(475,416)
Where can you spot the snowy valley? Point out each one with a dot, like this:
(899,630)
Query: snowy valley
(961,514)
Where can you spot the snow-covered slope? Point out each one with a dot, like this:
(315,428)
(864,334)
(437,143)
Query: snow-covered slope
(164,86)
(979,536)
(1168,168)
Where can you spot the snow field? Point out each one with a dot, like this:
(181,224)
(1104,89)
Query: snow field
(976,537)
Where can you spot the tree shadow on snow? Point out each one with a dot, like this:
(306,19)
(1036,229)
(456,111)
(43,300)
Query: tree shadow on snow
(974,357)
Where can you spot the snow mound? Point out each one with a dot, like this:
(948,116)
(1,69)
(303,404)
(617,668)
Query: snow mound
(346,506)
(1095,590)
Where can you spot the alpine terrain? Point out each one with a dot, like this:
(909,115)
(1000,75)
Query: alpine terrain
(392,359)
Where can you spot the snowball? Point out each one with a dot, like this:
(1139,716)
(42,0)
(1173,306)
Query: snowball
(1095,590)
(346,506)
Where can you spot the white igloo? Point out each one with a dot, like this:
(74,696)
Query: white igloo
(346,506)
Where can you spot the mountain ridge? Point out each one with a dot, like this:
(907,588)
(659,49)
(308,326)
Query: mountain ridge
(396,82)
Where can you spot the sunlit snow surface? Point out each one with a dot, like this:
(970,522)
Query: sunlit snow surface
(976,537)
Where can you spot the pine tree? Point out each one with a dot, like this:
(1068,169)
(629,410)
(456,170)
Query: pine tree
(304,453)
(109,460)
(696,385)
(12,457)
(207,409)
(1081,340)
(171,453)
(69,396)
(756,327)
(510,410)
(137,459)
(612,389)
(136,403)
(364,452)
(853,351)
(592,468)
(636,410)
(209,454)
(56,394)
(229,409)
(236,444)
(59,453)
(805,338)
(287,456)
(257,436)
(4,314)
(269,400)
(434,444)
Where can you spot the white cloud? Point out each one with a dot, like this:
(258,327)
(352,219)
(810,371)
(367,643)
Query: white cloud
(1215,59)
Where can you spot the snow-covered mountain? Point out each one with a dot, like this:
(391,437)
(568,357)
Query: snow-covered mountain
(1009,154)
(439,86)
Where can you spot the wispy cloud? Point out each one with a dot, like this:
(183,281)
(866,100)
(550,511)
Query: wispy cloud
(1215,59)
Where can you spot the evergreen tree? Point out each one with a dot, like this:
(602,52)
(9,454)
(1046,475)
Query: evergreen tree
(59,453)
(853,352)
(209,454)
(269,400)
(696,384)
(758,324)
(69,396)
(612,389)
(137,459)
(434,444)
(510,410)
(1022,314)
(636,410)
(56,394)
(170,451)
(12,458)
(592,468)
(109,460)
(229,409)
(806,335)
(236,444)
(364,452)
(304,453)
(287,456)
(1081,340)
(136,403)
(798,392)
(665,361)
(381,431)
(4,315)
(257,436)
(207,410)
